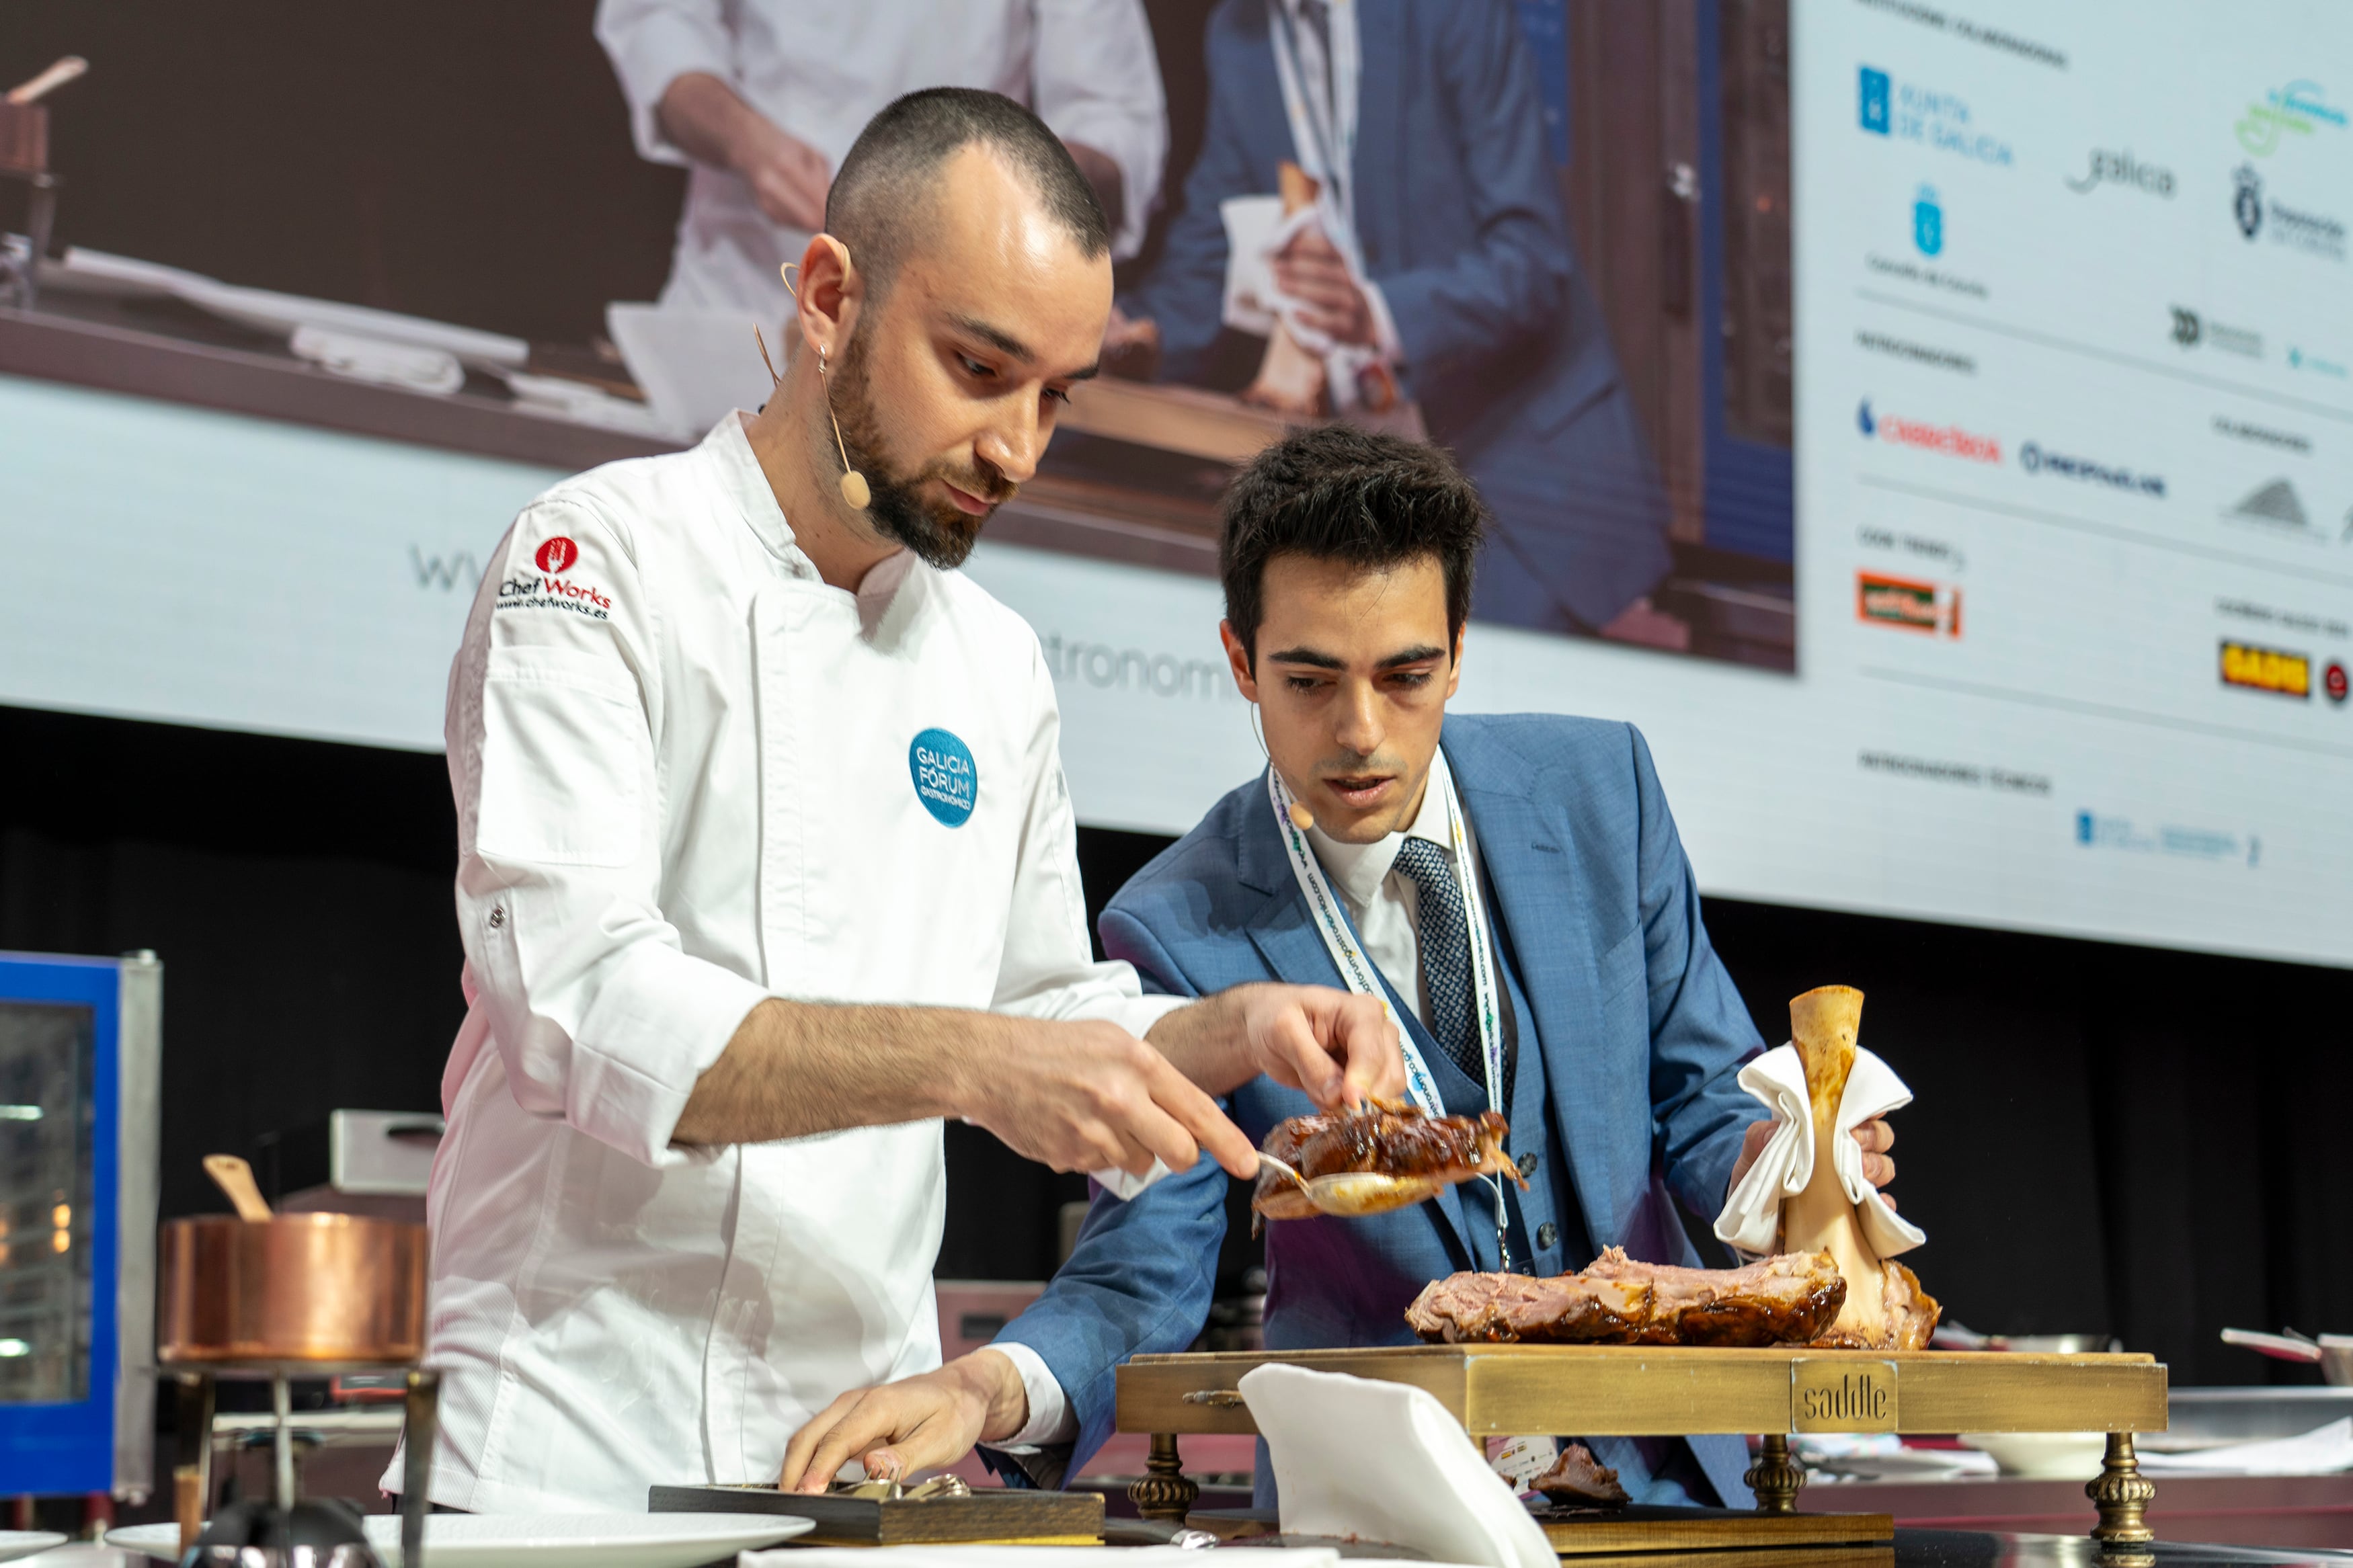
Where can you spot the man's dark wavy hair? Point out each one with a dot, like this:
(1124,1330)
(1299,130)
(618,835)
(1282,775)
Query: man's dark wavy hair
(1340,493)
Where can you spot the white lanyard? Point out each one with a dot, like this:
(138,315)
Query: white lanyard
(1358,971)
(1323,131)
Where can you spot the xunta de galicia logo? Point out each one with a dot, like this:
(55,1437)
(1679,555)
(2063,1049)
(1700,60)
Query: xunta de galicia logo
(945,780)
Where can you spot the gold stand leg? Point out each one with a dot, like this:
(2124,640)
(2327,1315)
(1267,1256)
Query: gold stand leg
(1775,1478)
(2122,1494)
(1165,1493)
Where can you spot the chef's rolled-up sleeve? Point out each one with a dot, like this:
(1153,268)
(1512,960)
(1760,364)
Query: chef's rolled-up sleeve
(651,44)
(601,1019)
(1097,82)
(1048,969)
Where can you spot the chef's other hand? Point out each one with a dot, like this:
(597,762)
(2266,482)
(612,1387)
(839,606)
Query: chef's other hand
(703,116)
(1875,1136)
(1334,1046)
(916,1423)
(1311,270)
(1090,1096)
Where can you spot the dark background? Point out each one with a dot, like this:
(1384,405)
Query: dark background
(2108,1138)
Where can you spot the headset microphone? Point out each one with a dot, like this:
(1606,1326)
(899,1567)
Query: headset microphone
(1300,818)
(856,493)
(854,488)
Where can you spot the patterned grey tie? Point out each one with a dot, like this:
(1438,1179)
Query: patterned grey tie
(1445,944)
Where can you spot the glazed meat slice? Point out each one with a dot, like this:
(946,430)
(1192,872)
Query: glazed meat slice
(1578,1479)
(1386,1139)
(1617,1300)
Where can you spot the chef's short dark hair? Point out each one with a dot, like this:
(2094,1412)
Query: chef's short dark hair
(1339,493)
(880,204)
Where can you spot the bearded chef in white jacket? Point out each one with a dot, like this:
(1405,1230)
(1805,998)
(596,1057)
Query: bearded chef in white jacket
(767,865)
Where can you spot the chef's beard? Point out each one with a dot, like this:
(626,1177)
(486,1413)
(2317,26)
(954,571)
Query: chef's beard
(940,533)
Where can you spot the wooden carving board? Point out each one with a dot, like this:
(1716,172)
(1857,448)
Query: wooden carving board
(990,1515)
(1645,1391)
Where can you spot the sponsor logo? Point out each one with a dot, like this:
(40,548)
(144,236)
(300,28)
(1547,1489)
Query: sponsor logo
(2037,459)
(2254,668)
(2297,227)
(2301,358)
(2247,199)
(555,557)
(1927,222)
(2333,681)
(1949,439)
(1877,101)
(2274,506)
(1902,112)
(2108,168)
(946,779)
(2291,110)
(2191,330)
(2098,830)
(1933,609)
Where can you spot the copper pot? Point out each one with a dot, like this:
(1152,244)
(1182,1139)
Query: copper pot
(302,1295)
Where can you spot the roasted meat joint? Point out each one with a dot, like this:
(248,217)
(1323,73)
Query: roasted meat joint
(1826,1287)
(1619,1301)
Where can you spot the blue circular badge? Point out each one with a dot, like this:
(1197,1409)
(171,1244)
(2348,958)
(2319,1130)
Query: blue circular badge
(945,781)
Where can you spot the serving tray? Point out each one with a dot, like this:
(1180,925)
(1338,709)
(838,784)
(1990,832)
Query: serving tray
(1497,1390)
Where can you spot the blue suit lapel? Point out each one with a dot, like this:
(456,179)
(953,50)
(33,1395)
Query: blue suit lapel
(1285,936)
(1553,942)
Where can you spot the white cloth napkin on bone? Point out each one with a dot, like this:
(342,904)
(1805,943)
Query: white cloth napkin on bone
(1383,1461)
(1751,1219)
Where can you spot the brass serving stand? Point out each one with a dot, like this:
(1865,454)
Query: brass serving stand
(1498,1390)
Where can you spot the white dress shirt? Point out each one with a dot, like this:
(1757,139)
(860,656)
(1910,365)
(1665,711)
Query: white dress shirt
(1386,906)
(689,776)
(819,69)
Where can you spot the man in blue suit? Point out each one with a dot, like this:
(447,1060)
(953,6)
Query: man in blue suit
(1562,906)
(1431,150)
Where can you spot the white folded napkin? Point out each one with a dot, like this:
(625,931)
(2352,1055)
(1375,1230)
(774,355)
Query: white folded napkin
(1751,1219)
(405,366)
(1122,1186)
(2324,1450)
(1383,1461)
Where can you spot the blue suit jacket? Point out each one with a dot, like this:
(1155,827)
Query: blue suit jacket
(1642,1034)
(1459,214)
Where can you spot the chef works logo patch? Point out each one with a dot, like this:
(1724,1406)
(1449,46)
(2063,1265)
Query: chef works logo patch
(945,780)
(547,590)
(555,557)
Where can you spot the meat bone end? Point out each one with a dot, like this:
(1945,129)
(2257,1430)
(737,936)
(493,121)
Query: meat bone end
(1823,1023)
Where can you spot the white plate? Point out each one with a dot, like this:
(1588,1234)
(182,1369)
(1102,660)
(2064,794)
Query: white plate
(15,1544)
(578,1540)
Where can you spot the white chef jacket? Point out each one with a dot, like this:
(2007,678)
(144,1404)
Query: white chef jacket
(691,775)
(821,69)
(1385,904)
